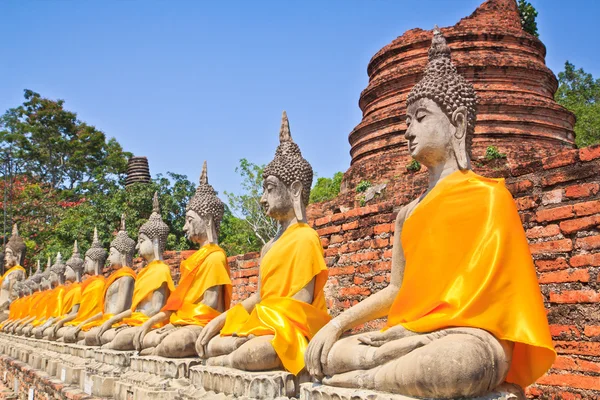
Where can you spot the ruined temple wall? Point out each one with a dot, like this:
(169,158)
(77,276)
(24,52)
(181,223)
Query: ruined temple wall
(559,202)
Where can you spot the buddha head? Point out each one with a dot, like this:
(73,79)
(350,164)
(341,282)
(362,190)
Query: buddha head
(204,213)
(57,271)
(74,265)
(152,237)
(441,111)
(95,257)
(16,291)
(287,179)
(121,248)
(14,253)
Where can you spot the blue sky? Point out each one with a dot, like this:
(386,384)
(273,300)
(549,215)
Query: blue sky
(183,81)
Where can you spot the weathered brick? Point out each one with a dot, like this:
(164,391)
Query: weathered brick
(552,197)
(341,270)
(588,243)
(323,221)
(580,275)
(568,175)
(350,225)
(382,228)
(584,260)
(552,246)
(575,296)
(526,203)
(520,187)
(574,225)
(591,330)
(353,291)
(589,153)
(565,331)
(358,280)
(587,208)
(551,265)
(542,231)
(571,380)
(561,159)
(574,347)
(582,190)
(329,230)
(366,256)
(554,214)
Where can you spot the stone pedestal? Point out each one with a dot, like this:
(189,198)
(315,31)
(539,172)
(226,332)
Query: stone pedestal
(316,391)
(256,385)
(101,374)
(155,377)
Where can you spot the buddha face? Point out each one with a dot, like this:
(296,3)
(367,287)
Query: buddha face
(277,199)
(89,265)
(144,246)
(195,227)
(10,258)
(115,258)
(429,133)
(70,274)
(53,279)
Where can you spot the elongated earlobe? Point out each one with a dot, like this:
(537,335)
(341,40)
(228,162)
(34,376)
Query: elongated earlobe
(210,231)
(459,139)
(297,200)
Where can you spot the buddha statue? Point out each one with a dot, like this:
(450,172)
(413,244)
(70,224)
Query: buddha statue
(204,290)
(16,305)
(464,309)
(91,290)
(35,302)
(46,299)
(20,308)
(118,290)
(152,288)
(56,283)
(270,330)
(14,254)
(71,295)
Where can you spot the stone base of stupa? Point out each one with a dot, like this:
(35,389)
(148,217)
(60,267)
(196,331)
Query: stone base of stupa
(102,373)
(255,385)
(315,391)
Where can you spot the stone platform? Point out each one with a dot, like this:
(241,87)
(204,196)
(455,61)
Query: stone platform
(315,391)
(57,370)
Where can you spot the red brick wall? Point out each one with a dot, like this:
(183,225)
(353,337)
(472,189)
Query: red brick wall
(559,202)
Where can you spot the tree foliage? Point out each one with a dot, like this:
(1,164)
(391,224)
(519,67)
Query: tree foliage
(579,92)
(326,188)
(62,177)
(528,15)
(246,206)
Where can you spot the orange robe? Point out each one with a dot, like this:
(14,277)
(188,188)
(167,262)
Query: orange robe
(289,265)
(206,268)
(91,299)
(120,273)
(149,280)
(468,264)
(13,269)
(47,303)
(71,298)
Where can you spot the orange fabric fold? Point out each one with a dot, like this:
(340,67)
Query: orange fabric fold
(467,233)
(91,299)
(289,265)
(11,270)
(206,268)
(149,280)
(71,298)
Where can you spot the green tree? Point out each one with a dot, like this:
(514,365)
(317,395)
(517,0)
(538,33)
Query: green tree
(47,142)
(579,92)
(236,236)
(528,15)
(326,188)
(246,206)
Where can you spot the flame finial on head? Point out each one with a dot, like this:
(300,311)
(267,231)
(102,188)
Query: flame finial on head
(204,174)
(285,135)
(155,204)
(15,230)
(155,228)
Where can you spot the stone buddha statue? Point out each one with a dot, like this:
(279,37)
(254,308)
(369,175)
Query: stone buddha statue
(118,290)
(464,309)
(35,286)
(48,300)
(56,281)
(204,290)
(71,295)
(152,288)
(92,289)
(271,329)
(16,305)
(14,254)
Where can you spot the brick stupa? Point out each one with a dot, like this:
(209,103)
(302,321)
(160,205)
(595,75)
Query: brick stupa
(516,113)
